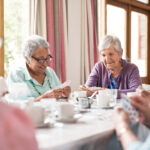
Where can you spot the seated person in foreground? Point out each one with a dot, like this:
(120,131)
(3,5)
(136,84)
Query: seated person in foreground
(16,129)
(125,135)
(35,73)
(112,71)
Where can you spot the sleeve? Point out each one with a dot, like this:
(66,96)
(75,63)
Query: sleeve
(140,145)
(133,82)
(93,77)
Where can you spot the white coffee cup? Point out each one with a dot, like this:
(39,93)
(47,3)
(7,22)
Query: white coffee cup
(65,110)
(37,114)
(102,99)
(84,102)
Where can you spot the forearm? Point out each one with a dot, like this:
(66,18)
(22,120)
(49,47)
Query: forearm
(126,137)
(48,94)
(39,98)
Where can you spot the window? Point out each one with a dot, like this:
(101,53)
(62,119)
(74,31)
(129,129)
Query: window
(144,1)
(139,41)
(117,28)
(129,20)
(15,31)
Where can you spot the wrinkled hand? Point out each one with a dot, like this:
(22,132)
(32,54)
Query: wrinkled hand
(120,119)
(144,93)
(142,104)
(86,88)
(90,92)
(55,93)
(66,91)
(3,94)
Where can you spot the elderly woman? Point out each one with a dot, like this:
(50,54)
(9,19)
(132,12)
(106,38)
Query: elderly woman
(112,71)
(35,73)
(122,123)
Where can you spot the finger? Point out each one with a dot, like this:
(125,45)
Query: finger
(145,93)
(137,104)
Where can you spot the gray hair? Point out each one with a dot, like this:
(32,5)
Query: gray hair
(107,41)
(32,43)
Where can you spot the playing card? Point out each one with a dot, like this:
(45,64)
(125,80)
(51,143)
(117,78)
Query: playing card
(127,107)
(66,83)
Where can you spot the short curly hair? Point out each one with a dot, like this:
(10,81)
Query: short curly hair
(32,43)
(107,41)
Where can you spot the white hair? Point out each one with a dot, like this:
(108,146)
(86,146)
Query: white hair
(32,43)
(107,41)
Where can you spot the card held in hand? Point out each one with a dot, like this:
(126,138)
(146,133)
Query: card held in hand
(127,107)
(66,83)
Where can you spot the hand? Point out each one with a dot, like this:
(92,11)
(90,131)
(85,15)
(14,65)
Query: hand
(86,88)
(3,94)
(141,103)
(144,93)
(124,133)
(120,119)
(55,93)
(90,92)
(66,91)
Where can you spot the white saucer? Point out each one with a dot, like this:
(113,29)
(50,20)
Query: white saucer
(103,107)
(43,125)
(106,107)
(69,120)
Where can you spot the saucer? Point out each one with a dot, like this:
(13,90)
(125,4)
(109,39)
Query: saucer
(69,120)
(43,125)
(104,107)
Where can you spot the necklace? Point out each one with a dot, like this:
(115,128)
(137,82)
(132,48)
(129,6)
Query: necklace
(39,93)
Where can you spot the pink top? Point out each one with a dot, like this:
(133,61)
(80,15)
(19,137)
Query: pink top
(16,129)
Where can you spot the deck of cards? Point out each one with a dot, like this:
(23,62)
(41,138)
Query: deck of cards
(127,107)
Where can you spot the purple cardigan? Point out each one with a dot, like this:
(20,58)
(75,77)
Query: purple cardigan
(128,79)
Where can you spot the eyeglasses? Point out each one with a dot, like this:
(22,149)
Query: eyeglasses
(41,61)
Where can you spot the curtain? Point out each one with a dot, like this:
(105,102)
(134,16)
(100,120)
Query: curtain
(57,34)
(37,17)
(89,54)
(101,18)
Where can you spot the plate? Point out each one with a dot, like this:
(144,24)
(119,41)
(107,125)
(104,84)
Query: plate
(103,107)
(69,120)
(44,125)
(106,107)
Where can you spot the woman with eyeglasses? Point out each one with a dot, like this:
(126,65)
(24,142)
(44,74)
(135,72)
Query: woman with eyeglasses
(35,73)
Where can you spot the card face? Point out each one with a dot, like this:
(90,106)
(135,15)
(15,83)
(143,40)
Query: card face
(66,83)
(127,107)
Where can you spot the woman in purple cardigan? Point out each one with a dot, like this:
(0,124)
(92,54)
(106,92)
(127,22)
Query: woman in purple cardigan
(112,71)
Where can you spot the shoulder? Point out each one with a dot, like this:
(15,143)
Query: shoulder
(129,66)
(99,65)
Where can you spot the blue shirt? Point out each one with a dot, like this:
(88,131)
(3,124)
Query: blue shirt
(140,145)
(21,75)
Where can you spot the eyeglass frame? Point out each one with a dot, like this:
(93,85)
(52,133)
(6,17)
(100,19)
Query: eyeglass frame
(43,60)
